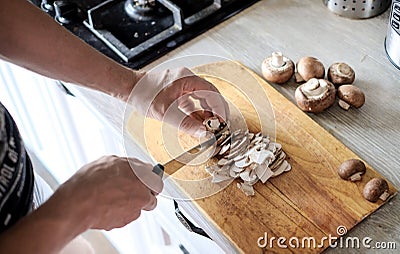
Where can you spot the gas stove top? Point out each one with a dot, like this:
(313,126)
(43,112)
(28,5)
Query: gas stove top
(136,32)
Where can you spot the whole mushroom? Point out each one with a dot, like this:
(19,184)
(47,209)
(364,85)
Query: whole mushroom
(277,68)
(350,96)
(341,74)
(315,95)
(309,67)
(351,170)
(375,189)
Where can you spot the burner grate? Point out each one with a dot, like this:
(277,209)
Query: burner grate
(127,43)
(130,27)
(136,32)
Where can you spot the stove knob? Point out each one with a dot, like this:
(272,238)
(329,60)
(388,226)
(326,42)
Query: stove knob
(65,12)
(47,5)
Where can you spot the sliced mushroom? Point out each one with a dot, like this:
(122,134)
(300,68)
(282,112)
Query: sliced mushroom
(234,174)
(277,68)
(280,158)
(236,169)
(258,134)
(260,157)
(284,166)
(239,157)
(220,176)
(249,156)
(256,140)
(352,170)
(264,173)
(224,149)
(308,68)
(211,169)
(250,135)
(247,189)
(341,74)
(375,189)
(235,152)
(223,162)
(224,137)
(243,162)
(350,96)
(274,147)
(316,95)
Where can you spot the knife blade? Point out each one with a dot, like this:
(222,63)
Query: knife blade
(183,159)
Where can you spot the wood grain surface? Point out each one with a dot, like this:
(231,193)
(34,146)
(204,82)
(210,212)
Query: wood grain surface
(309,201)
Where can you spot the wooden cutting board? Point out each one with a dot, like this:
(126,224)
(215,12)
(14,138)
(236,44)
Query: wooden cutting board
(309,201)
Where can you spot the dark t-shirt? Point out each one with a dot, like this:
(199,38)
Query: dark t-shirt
(16,174)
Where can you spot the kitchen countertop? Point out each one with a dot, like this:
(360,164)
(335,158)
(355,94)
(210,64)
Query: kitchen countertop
(305,27)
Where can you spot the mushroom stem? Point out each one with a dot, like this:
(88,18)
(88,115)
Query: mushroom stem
(277,60)
(384,196)
(356,177)
(344,105)
(314,88)
(312,84)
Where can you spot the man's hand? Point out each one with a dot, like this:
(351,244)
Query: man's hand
(104,194)
(170,96)
(111,191)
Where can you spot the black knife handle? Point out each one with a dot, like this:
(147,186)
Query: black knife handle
(158,170)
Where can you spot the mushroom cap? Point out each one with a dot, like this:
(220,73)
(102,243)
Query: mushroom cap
(351,167)
(310,67)
(315,105)
(277,75)
(351,95)
(341,74)
(374,189)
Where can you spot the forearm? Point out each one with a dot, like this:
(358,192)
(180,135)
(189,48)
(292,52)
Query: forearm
(46,230)
(32,39)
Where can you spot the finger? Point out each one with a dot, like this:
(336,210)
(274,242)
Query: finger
(185,123)
(198,115)
(207,114)
(213,102)
(144,173)
(193,127)
(151,205)
(207,109)
(187,106)
(134,216)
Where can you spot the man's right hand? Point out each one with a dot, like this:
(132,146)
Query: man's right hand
(111,191)
(105,194)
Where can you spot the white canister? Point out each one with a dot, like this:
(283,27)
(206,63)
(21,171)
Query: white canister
(392,41)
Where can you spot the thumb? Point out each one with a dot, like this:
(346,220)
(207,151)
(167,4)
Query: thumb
(185,123)
(182,114)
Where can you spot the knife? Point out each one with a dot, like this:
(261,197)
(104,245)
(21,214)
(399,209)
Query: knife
(174,165)
(183,159)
